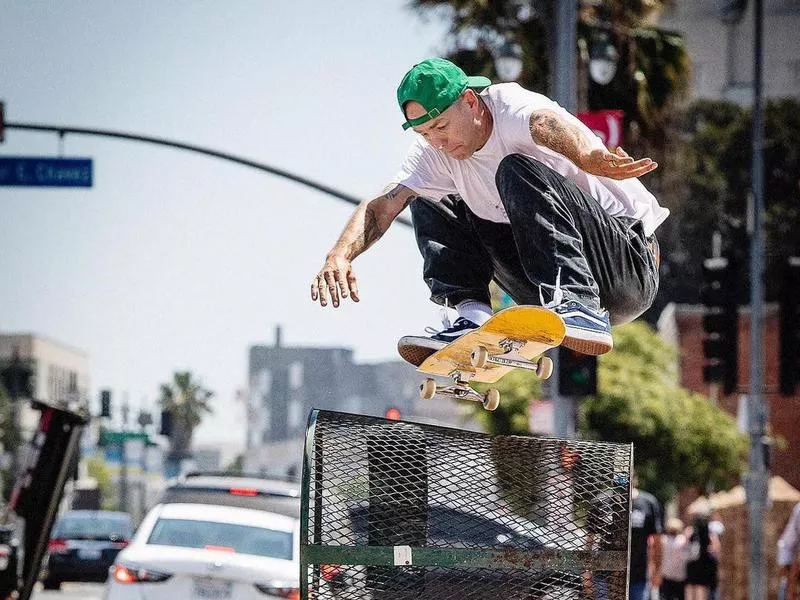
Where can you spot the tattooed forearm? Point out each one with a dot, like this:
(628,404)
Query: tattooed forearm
(547,129)
(371,234)
(370,221)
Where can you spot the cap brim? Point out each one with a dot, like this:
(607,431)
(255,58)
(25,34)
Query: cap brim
(478,83)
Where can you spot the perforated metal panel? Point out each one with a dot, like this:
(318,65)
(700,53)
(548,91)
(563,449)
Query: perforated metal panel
(395,511)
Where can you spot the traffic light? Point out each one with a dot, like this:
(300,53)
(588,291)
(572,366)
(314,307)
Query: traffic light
(166,423)
(577,373)
(719,296)
(105,403)
(790,326)
(393,413)
(18,379)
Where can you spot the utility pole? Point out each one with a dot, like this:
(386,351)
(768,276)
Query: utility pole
(144,419)
(758,476)
(123,469)
(565,36)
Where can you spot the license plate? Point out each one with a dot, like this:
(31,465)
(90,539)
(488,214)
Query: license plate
(210,589)
(89,554)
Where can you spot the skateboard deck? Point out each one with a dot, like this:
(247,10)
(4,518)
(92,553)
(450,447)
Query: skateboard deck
(511,339)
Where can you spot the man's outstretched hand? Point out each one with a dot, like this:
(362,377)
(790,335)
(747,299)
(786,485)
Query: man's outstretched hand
(337,279)
(616,164)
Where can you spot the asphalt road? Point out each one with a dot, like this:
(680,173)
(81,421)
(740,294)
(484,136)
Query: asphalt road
(71,591)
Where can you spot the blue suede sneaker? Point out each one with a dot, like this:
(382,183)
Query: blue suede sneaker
(588,331)
(415,349)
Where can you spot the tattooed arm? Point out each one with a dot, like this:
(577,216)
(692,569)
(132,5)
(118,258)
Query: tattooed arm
(369,222)
(550,130)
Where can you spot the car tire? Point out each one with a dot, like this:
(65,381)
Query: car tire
(51,584)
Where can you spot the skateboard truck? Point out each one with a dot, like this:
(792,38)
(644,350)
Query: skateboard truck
(543,366)
(460,390)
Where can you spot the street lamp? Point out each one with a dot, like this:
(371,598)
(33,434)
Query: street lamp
(603,58)
(508,61)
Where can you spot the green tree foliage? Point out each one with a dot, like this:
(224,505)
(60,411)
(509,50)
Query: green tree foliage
(97,469)
(680,439)
(236,466)
(517,389)
(715,160)
(188,402)
(10,440)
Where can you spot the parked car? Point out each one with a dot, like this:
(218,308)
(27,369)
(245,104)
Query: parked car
(84,544)
(242,491)
(185,550)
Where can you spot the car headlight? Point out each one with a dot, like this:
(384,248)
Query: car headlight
(123,574)
(284,590)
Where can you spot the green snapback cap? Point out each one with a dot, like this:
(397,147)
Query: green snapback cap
(436,84)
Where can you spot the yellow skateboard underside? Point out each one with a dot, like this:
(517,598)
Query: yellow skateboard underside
(540,328)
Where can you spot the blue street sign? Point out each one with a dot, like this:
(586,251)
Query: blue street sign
(45,172)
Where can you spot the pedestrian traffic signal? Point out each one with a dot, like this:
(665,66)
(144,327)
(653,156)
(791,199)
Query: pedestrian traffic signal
(105,403)
(720,322)
(789,300)
(577,373)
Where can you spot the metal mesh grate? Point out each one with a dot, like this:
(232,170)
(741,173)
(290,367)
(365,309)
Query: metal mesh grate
(395,510)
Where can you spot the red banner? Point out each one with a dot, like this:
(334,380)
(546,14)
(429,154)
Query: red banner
(607,124)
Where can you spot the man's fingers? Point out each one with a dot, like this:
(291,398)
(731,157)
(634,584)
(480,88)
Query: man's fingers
(331,286)
(617,161)
(634,170)
(340,279)
(322,290)
(351,283)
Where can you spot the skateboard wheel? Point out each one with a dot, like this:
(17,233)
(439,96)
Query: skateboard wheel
(427,389)
(491,400)
(545,364)
(479,356)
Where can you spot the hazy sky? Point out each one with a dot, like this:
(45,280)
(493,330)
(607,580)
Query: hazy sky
(178,261)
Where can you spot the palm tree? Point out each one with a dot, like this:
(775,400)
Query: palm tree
(187,402)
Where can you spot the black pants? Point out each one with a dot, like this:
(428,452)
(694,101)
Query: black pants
(604,261)
(671,590)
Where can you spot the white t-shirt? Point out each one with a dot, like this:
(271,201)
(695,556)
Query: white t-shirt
(432,173)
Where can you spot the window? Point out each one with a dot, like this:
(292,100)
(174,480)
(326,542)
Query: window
(244,539)
(296,375)
(794,71)
(93,527)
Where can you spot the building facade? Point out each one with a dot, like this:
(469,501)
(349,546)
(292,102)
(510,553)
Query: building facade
(286,383)
(721,53)
(683,325)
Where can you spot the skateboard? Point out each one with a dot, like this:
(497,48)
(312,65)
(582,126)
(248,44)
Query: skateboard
(514,338)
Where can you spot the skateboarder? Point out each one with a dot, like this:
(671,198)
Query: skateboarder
(504,184)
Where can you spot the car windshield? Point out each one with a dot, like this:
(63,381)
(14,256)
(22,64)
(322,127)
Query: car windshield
(244,539)
(93,526)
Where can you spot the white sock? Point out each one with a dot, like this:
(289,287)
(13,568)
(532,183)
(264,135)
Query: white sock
(477,312)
